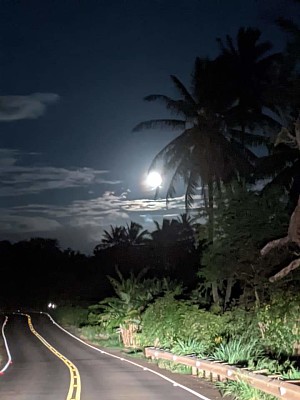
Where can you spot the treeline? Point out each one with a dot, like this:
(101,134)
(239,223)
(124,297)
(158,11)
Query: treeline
(36,271)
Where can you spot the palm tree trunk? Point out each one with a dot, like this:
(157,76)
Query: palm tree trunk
(211,231)
(210,212)
(215,293)
(229,286)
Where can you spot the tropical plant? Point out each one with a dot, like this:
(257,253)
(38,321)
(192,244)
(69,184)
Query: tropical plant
(238,351)
(164,324)
(243,221)
(174,230)
(227,97)
(71,316)
(189,347)
(132,234)
(124,310)
(279,322)
(213,146)
(241,390)
(251,75)
(282,165)
(292,373)
(203,153)
(114,237)
(135,235)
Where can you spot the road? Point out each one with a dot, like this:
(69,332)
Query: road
(75,371)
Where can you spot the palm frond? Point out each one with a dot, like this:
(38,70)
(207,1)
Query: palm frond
(191,189)
(179,107)
(176,144)
(179,171)
(183,91)
(250,157)
(284,178)
(249,138)
(161,124)
(276,162)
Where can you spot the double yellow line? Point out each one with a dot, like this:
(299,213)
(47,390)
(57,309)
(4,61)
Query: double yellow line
(75,382)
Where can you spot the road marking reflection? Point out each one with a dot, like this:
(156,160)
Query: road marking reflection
(75,381)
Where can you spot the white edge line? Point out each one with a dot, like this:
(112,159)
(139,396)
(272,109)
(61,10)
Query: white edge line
(174,383)
(6,347)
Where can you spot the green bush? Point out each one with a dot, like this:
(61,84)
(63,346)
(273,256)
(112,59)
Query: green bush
(93,332)
(279,323)
(71,315)
(97,335)
(168,322)
(241,322)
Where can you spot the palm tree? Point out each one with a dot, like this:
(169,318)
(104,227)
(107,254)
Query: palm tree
(135,235)
(167,233)
(132,234)
(252,75)
(204,154)
(283,162)
(115,237)
(211,148)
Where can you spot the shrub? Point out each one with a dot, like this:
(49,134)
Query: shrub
(168,322)
(279,323)
(97,335)
(71,316)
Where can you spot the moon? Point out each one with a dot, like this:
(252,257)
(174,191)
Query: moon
(154,180)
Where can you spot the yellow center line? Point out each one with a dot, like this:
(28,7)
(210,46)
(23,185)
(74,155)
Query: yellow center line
(75,382)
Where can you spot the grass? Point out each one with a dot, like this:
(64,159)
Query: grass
(238,351)
(242,391)
(292,373)
(189,347)
(173,367)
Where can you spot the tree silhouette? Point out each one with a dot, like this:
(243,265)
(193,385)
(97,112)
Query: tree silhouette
(250,75)
(135,235)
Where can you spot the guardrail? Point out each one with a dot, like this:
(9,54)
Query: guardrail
(221,371)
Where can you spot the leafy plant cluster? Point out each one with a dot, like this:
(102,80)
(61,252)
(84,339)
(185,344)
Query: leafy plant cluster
(76,316)
(279,323)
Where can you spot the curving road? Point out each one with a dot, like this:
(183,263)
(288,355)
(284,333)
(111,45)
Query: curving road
(37,373)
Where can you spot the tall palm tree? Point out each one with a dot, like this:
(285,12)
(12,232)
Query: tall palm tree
(218,116)
(282,165)
(252,74)
(202,154)
(211,148)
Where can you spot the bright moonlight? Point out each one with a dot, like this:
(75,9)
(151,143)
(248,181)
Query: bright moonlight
(154,180)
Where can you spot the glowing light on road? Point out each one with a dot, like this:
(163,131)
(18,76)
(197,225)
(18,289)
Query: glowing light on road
(154,180)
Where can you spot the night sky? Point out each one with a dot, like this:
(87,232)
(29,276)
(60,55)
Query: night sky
(73,77)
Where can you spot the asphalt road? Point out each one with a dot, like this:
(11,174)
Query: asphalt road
(37,373)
